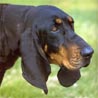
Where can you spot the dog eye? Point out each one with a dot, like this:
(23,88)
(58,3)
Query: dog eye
(54,28)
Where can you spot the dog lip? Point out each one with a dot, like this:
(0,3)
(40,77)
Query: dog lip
(87,61)
(85,65)
(88,57)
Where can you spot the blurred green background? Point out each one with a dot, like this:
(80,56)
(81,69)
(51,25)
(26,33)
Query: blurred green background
(85,14)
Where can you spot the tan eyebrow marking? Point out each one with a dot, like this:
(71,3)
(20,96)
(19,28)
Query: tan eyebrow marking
(58,20)
(70,19)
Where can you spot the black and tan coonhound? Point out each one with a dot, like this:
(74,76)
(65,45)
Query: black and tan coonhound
(40,36)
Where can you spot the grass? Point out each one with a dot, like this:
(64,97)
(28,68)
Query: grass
(84,13)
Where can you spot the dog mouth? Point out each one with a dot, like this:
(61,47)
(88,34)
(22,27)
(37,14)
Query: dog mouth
(72,62)
(61,58)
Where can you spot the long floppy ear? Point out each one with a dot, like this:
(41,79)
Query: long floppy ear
(1,75)
(68,77)
(35,65)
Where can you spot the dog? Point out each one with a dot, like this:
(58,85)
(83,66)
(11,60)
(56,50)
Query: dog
(41,36)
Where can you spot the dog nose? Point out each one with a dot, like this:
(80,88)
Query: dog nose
(87,52)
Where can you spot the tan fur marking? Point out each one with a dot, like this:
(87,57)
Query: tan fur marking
(70,19)
(58,58)
(46,48)
(58,20)
(61,58)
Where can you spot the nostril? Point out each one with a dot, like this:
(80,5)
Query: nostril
(87,51)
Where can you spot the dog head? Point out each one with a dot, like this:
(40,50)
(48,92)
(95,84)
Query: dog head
(52,39)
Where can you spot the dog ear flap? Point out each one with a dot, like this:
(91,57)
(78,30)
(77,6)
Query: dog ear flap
(1,75)
(68,77)
(35,65)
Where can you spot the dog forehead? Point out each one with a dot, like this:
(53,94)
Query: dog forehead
(51,11)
